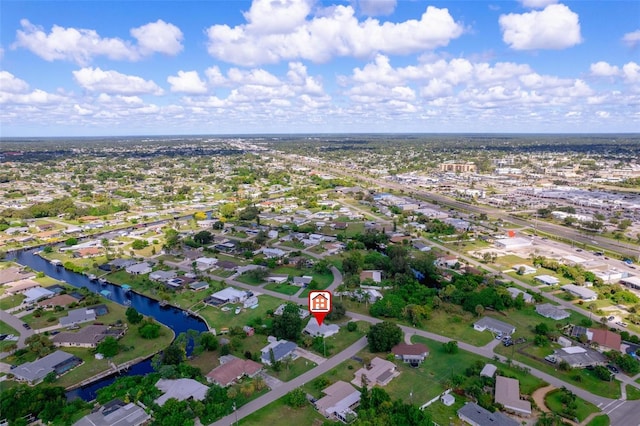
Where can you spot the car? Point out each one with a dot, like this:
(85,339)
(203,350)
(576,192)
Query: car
(611,318)
(499,336)
(27,326)
(622,324)
(613,369)
(579,250)
(507,343)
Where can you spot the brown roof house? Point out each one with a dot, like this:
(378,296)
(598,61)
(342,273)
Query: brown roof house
(508,394)
(606,339)
(411,354)
(87,337)
(233,369)
(380,372)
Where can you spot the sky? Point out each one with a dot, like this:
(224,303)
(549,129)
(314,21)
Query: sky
(111,68)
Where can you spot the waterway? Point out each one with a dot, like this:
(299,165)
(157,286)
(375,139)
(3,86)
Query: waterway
(172,317)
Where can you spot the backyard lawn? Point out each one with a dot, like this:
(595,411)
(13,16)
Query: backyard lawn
(293,369)
(11,301)
(216,318)
(7,329)
(287,289)
(50,318)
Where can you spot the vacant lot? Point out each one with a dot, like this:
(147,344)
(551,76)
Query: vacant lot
(277,411)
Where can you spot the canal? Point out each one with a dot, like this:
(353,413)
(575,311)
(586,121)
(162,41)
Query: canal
(176,319)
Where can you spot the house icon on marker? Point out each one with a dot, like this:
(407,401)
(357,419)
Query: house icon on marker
(319,303)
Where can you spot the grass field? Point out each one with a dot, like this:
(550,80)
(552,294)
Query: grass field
(287,289)
(293,370)
(216,318)
(601,420)
(11,301)
(7,329)
(277,411)
(633,393)
(584,408)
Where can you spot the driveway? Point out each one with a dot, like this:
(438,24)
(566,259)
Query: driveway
(272,382)
(17,324)
(310,356)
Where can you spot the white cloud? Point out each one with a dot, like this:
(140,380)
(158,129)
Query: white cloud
(11,84)
(377,7)
(555,27)
(632,39)
(268,37)
(158,37)
(82,45)
(603,69)
(603,114)
(187,82)
(631,72)
(537,4)
(97,80)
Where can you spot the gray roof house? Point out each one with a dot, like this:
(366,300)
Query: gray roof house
(494,325)
(339,400)
(180,389)
(162,276)
(78,316)
(302,281)
(516,291)
(115,413)
(325,330)
(138,269)
(548,310)
(281,349)
(33,372)
(475,415)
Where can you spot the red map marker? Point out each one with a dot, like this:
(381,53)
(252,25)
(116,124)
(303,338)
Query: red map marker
(319,304)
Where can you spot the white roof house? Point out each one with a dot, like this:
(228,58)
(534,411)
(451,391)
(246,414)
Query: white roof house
(512,243)
(204,263)
(582,292)
(494,325)
(548,310)
(230,295)
(36,293)
(507,393)
(180,389)
(139,269)
(526,269)
(489,370)
(547,279)
(325,330)
(338,401)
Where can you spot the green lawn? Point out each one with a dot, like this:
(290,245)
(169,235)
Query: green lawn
(247,279)
(601,420)
(584,408)
(459,327)
(287,289)
(633,393)
(218,319)
(275,412)
(7,329)
(293,370)
(11,301)
(116,312)
(339,342)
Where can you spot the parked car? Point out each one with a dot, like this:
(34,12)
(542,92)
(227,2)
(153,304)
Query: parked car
(613,368)
(27,326)
(622,324)
(611,318)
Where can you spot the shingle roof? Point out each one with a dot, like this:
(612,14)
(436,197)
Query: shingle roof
(225,374)
(38,369)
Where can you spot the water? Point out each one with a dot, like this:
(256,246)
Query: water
(173,318)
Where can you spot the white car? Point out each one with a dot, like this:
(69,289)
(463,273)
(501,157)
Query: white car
(622,324)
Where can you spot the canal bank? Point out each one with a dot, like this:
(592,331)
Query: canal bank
(177,320)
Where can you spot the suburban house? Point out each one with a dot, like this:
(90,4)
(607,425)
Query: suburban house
(281,349)
(379,372)
(232,369)
(583,293)
(411,354)
(302,281)
(548,310)
(36,294)
(420,246)
(475,415)
(494,325)
(115,412)
(524,269)
(512,243)
(579,357)
(507,393)
(273,252)
(139,269)
(59,300)
(205,263)
(87,337)
(339,401)
(325,330)
(375,276)
(278,278)
(34,372)
(21,286)
(605,339)
(447,261)
(78,316)
(14,274)
(180,389)
(546,279)
(199,285)
(162,276)
(227,295)
(516,291)
(86,252)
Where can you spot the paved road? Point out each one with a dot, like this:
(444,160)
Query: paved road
(286,387)
(17,325)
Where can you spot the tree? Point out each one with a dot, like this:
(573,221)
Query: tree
(203,238)
(133,316)
(171,238)
(338,311)
(451,347)
(108,347)
(208,341)
(149,330)
(542,329)
(199,216)
(71,241)
(139,244)
(383,336)
(479,310)
(288,325)
(174,354)
(296,398)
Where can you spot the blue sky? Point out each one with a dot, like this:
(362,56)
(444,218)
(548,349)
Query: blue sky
(73,68)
